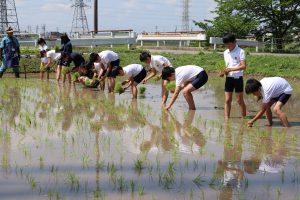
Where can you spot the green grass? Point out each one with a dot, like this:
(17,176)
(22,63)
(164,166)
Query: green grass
(265,65)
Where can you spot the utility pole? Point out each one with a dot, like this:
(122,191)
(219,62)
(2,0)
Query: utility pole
(8,15)
(95,16)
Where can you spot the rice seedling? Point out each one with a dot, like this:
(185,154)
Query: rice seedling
(132,187)
(118,88)
(98,194)
(199,180)
(73,181)
(65,70)
(171,86)
(75,76)
(41,160)
(141,190)
(122,187)
(138,166)
(142,90)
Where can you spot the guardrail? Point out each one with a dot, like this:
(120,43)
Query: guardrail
(250,43)
(178,37)
(105,37)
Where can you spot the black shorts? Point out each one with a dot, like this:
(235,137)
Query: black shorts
(138,78)
(234,84)
(283,98)
(113,64)
(200,80)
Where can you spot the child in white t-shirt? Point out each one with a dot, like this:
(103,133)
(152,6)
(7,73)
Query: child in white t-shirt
(44,60)
(235,60)
(135,73)
(157,64)
(272,90)
(188,78)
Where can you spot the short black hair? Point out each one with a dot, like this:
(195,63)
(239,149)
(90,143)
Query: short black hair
(167,72)
(252,85)
(64,39)
(228,38)
(144,56)
(93,57)
(41,40)
(116,70)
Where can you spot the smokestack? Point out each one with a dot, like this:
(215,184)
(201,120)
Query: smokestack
(95,15)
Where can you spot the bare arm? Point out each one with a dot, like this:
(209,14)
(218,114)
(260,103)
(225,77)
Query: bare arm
(264,107)
(241,66)
(101,70)
(152,74)
(107,71)
(174,97)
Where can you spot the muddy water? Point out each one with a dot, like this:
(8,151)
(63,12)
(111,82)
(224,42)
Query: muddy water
(66,142)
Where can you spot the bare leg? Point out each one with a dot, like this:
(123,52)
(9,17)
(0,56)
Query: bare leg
(227,107)
(269,115)
(64,78)
(112,84)
(102,85)
(134,91)
(69,77)
(41,72)
(109,84)
(58,70)
(187,93)
(241,103)
(47,74)
(281,115)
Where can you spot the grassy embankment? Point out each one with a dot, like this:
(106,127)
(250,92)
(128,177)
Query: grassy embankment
(265,65)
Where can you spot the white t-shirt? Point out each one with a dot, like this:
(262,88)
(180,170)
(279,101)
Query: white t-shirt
(273,87)
(54,56)
(157,62)
(97,66)
(186,74)
(108,56)
(132,70)
(43,48)
(233,59)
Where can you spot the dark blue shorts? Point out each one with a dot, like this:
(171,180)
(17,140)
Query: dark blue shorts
(138,78)
(234,84)
(200,80)
(113,64)
(283,98)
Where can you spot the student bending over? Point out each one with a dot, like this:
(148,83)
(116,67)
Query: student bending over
(188,78)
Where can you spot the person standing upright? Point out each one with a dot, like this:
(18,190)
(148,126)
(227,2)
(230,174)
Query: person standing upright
(11,48)
(66,48)
(235,61)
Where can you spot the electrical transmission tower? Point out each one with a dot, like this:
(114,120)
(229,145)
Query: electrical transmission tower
(185,16)
(79,23)
(8,15)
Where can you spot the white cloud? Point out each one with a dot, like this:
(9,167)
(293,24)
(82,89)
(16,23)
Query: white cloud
(56,7)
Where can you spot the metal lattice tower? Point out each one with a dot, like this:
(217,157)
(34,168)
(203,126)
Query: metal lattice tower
(8,15)
(185,16)
(79,23)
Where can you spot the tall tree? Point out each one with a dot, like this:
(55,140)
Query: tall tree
(259,17)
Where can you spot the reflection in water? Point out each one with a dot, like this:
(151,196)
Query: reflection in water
(189,138)
(78,131)
(269,151)
(230,169)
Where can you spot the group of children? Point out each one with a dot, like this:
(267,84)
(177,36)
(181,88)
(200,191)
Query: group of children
(106,66)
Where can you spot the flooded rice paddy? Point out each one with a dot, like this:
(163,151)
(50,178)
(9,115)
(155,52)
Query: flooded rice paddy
(67,142)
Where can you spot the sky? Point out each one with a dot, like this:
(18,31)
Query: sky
(139,15)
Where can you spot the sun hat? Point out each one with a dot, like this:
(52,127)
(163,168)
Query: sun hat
(9,30)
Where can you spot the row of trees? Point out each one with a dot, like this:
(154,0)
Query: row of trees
(281,18)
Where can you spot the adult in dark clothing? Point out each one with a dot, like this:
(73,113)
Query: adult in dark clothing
(66,48)
(11,49)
